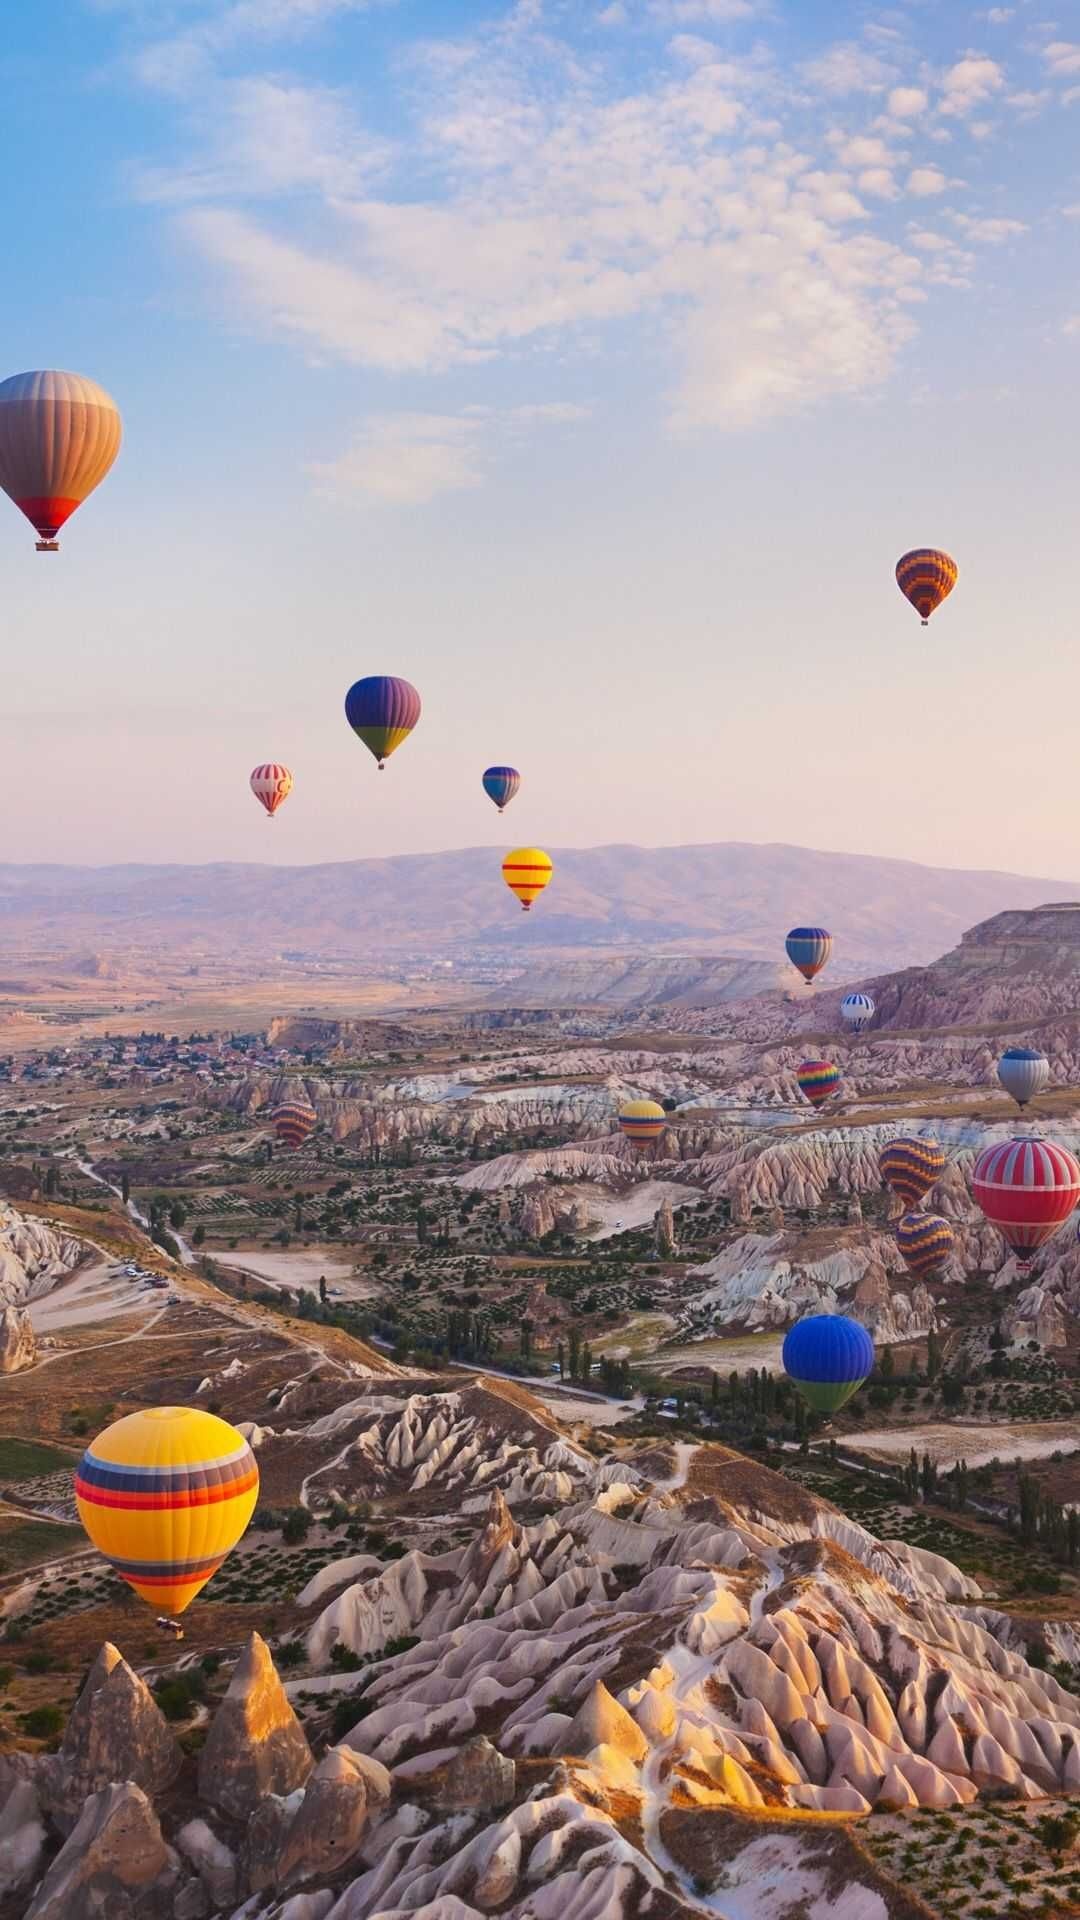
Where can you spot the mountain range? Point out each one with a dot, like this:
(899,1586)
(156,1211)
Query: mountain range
(731,898)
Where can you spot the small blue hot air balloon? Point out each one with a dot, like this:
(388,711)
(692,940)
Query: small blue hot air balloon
(857,1010)
(1023,1073)
(808,948)
(500,784)
(828,1357)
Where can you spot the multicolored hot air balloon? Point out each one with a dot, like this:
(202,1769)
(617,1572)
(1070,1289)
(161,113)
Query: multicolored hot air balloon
(828,1357)
(911,1166)
(500,784)
(808,949)
(271,784)
(382,712)
(817,1079)
(293,1121)
(926,577)
(165,1495)
(527,871)
(1023,1073)
(642,1122)
(857,1010)
(925,1242)
(59,435)
(1026,1189)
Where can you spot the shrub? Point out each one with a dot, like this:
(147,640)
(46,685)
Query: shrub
(41,1723)
(295,1526)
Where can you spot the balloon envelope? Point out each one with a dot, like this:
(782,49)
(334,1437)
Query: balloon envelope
(1026,1188)
(857,1010)
(642,1121)
(925,1242)
(808,948)
(828,1357)
(527,871)
(382,711)
(926,577)
(59,435)
(817,1080)
(165,1495)
(500,784)
(911,1166)
(1023,1073)
(271,784)
(293,1121)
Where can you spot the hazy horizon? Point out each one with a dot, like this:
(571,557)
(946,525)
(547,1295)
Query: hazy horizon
(590,366)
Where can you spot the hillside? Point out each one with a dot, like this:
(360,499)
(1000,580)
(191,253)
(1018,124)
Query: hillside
(732,898)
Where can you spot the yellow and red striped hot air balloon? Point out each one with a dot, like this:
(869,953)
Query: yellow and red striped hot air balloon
(293,1121)
(59,435)
(165,1495)
(527,871)
(642,1122)
(926,577)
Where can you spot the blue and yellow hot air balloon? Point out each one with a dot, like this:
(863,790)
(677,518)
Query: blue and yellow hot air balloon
(382,711)
(808,949)
(925,1242)
(165,1495)
(828,1357)
(500,784)
(642,1122)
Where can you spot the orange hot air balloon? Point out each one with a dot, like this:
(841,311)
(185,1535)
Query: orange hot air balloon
(926,577)
(59,435)
(527,871)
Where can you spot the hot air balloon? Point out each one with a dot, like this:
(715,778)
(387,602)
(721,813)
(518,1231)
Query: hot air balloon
(527,871)
(1023,1073)
(925,1242)
(165,1495)
(293,1121)
(910,1167)
(808,948)
(817,1080)
(1026,1188)
(271,784)
(59,435)
(828,1357)
(382,712)
(642,1122)
(857,1011)
(500,784)
(669,1105)
(926,577)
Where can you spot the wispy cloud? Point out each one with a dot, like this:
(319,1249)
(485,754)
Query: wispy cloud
(410,459)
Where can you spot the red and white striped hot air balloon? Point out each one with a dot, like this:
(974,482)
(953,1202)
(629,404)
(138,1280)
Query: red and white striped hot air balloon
(59,435)
(271,784)
(1026,1189)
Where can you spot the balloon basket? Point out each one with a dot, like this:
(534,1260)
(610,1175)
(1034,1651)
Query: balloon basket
(47,546)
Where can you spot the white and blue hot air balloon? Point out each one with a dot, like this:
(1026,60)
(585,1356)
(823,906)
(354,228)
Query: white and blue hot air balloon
(1023,1073)
(857,1011)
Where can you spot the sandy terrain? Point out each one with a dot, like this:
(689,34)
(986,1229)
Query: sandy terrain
(89,1295)
(948,1443)
(741,1350)
(302,1269)
(637,1207)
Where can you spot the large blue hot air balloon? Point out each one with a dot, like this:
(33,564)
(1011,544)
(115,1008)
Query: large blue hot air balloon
(382,711)
(808,948)
(500,784)
(828,1357)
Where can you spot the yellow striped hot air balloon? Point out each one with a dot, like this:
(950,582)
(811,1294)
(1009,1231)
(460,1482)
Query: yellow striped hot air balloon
(527,871)
(165,1495)
(642,1122)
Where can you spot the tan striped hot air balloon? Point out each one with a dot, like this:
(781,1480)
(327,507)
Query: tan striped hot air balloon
(59,435)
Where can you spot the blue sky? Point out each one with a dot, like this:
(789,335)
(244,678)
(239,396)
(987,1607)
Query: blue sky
(590,365)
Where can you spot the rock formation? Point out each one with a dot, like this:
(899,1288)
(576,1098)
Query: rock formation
(114,1863)
(255,1745)
(666,1243)
(116,1731)
(18,1347)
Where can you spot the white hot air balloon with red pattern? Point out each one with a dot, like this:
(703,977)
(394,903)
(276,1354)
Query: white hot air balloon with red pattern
(271,784)
(59,435)
(1027,1189)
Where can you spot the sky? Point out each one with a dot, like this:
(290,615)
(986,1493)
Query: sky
(589,365)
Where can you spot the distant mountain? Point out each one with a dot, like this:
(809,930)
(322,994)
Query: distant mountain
(731,899)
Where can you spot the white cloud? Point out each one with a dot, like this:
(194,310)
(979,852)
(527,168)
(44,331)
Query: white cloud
(997,16)
(991,233)
(1071,327)
(265,139)
(1072,212)
(716,12)
(176,65)
(905,102)
(927,240)
(879,182)
(410,459)
(1062,57)
(924,182)
(847,68)
(969,83)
